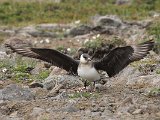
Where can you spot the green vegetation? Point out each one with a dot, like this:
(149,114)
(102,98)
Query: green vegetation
(158,71)
(154,30)
(19,70)
(24,13)
(43,74)
(83,95)
(93,43)
(154,92)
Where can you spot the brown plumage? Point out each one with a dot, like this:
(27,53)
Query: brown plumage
(112,63)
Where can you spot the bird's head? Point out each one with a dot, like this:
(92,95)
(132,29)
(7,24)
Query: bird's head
(85,58)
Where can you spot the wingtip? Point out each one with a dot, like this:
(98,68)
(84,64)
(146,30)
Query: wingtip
(150,42)
(10,47)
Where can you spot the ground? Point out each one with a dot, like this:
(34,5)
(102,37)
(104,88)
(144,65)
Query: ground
(133,94)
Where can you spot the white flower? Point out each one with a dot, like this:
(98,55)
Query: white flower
(86,40)
(47,40)
(4,70)
(77,22)
(35,42)
(68,49)
(94,37)
(98,35)
(41,41)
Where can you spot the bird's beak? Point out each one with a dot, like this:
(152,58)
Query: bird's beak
(89,59)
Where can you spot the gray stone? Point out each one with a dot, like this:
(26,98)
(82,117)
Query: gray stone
(37,111)
(53,26)
(42,34)
(16,92)
(7,31)
(67,81)
(32,31)
(70,109)
(145,81)
(3,55)
(61,96)
(80,30)
(107,21)
(137,111)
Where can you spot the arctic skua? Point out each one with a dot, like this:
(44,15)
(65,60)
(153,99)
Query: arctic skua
(116,60)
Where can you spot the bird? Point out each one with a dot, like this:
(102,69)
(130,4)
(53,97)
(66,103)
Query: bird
(112,63)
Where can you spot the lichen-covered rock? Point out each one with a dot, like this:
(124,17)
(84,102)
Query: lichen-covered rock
(144,81)
(14,92)
(68,81)
(80,30)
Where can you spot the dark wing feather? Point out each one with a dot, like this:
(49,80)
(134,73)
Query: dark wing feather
(120,57)
(49,55)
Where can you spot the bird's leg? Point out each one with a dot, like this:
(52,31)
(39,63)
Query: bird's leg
(92,86)
(85,84)
(84,88)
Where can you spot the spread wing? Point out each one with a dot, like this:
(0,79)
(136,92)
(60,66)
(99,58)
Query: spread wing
(49,55)
(120,57)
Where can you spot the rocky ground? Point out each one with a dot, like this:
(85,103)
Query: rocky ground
(28,92)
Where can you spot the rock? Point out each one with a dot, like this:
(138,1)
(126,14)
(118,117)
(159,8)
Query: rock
(107,21)
(42,34)
(57,71)
(55,90)
(144,81)
(3,117)
(37,111)
(7,31)
(35,84)
(80,30)
(100,87)
(32,31)
(154,14)
(97,109)
(16,92)
(39,92)
(67,81)
(38,68)
(3,55)
(109,24)
(158,114)
(137,111)
(60,96)
(126,109)
(140,24)
(52,27)
(70,109)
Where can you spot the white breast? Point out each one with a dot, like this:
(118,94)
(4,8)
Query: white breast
(89,73)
